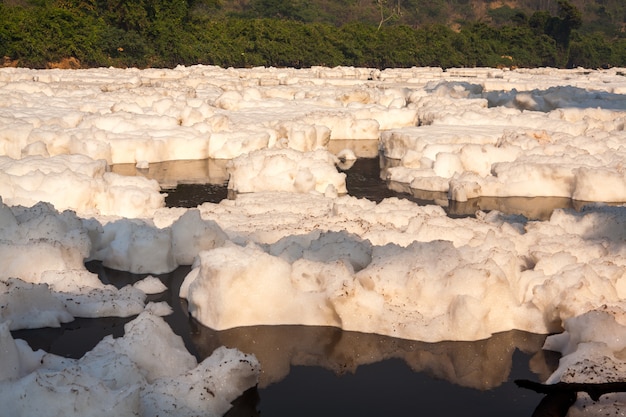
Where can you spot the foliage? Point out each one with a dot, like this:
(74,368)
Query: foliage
(49,34)
(296,33)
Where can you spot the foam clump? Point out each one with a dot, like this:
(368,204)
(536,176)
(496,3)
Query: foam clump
(139,246)
(592,346)
(366,301)
(78,183)
(150,285)
(30,306)
(133,245)
(286,170)
(395,263)
(56,240)
(192,234)
(57,287)
(147,372)
(505,150)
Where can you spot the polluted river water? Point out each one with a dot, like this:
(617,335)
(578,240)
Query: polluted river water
(316,370)
(285,245)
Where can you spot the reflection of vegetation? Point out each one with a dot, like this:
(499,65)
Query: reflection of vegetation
(296,33)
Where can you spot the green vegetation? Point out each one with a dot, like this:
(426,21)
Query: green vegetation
(298,33)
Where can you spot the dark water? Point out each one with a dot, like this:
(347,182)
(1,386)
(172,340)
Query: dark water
(190,195)
(320,371)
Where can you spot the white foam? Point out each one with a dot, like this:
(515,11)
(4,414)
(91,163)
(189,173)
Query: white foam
(286,170)
(79,183)
(291,248)
(145,372)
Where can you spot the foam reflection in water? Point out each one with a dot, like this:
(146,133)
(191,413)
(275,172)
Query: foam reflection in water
(483,364)
(323,370)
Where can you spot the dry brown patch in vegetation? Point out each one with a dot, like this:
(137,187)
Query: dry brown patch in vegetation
(8,62)
(65,63)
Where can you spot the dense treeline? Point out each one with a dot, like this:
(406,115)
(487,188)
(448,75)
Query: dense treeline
(606,16)
(162,33)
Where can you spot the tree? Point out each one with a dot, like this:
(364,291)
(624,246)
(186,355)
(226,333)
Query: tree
(559,27)
(569,19)
(387,12)
(591,51)
(126,14)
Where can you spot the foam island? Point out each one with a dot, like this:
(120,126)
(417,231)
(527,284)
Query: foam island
(292,247)
(146,372)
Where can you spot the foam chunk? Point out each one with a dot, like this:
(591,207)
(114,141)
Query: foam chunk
(150,285)
(10,359)
(135,246)
(120,376)
(191,235)
(79,183)
(286,170)
(229,297)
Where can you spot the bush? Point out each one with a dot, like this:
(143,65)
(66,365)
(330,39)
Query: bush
(168,33)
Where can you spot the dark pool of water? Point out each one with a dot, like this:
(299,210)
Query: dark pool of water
(191,195)
(390,388)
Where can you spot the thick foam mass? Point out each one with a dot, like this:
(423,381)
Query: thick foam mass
(291,247)
(79,183)
(147,372)
(419,275)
